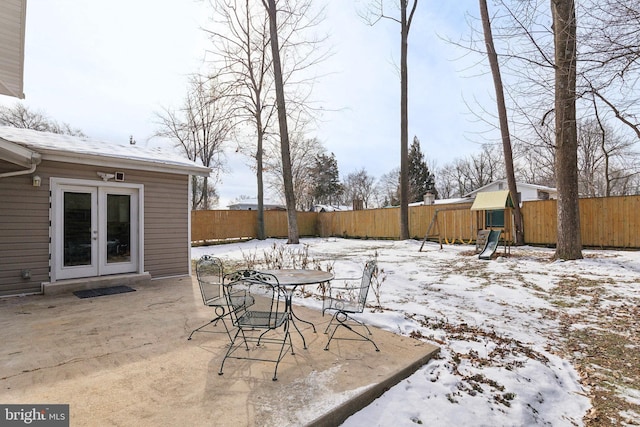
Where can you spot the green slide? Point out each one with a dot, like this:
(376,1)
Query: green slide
(491,245)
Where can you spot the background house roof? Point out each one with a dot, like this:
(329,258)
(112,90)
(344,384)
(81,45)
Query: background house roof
(252,204)
(73,149)
(450,201)
(518,185)
(330,208)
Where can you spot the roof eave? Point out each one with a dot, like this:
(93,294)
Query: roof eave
(17,154)
(119,162)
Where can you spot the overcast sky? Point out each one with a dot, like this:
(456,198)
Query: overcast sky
(106,67)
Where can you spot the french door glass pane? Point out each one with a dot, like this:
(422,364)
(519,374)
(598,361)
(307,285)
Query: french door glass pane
(118,228)
(77,229)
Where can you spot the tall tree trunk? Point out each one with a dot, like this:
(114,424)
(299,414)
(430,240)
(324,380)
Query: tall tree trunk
(504,123)
(194,192)
(569,244)
(205,193)
(405,23)
(282,123)
(259,169)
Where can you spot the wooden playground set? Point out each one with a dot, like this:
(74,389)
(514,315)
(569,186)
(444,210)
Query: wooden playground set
(490,222)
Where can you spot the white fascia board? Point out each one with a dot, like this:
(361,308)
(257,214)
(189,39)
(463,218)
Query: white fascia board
(17,154)
(121,162)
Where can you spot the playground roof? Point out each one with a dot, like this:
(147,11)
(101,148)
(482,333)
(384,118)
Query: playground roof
(492,201)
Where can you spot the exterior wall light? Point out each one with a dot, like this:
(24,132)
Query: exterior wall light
(37,181)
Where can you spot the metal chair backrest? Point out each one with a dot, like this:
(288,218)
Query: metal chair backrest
(209,271)
(355,303)
(367,275)
(266,312)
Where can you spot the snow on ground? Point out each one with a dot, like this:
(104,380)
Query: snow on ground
(501,325)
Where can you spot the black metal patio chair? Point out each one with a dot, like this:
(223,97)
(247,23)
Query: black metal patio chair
(347,300)
(264,324)
(210,272)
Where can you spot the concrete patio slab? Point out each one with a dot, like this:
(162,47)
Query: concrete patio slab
(125,360)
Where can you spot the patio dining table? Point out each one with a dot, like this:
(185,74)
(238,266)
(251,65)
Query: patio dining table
(290,279)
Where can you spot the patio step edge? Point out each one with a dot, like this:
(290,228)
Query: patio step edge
(339,414)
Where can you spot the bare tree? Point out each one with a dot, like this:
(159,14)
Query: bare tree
(564,29)
(388,188)
(407,9)
(590,159)
(20,116)
(200,128)
(359,185)
(610,59)
(467,174)
(504,123)
(538,53)
(607,59)
(304,152)
(287,176)
(537,162)
(606,161)
(446,183)
(241,39)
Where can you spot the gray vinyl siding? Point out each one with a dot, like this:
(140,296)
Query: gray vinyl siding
(24,223)
(24,233)
(166,224)
(12,30)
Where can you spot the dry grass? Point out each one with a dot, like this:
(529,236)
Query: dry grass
(599,333)
(606,355)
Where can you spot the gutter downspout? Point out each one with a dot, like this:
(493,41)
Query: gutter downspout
(36,158)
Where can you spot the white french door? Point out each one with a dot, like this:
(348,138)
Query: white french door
(95,230)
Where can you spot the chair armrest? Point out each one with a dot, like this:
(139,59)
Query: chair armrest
(334,291)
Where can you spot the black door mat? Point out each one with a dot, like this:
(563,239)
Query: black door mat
(98,292)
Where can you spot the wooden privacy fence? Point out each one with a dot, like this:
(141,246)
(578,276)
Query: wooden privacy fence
(605,222)
(454,223)
(228,224)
